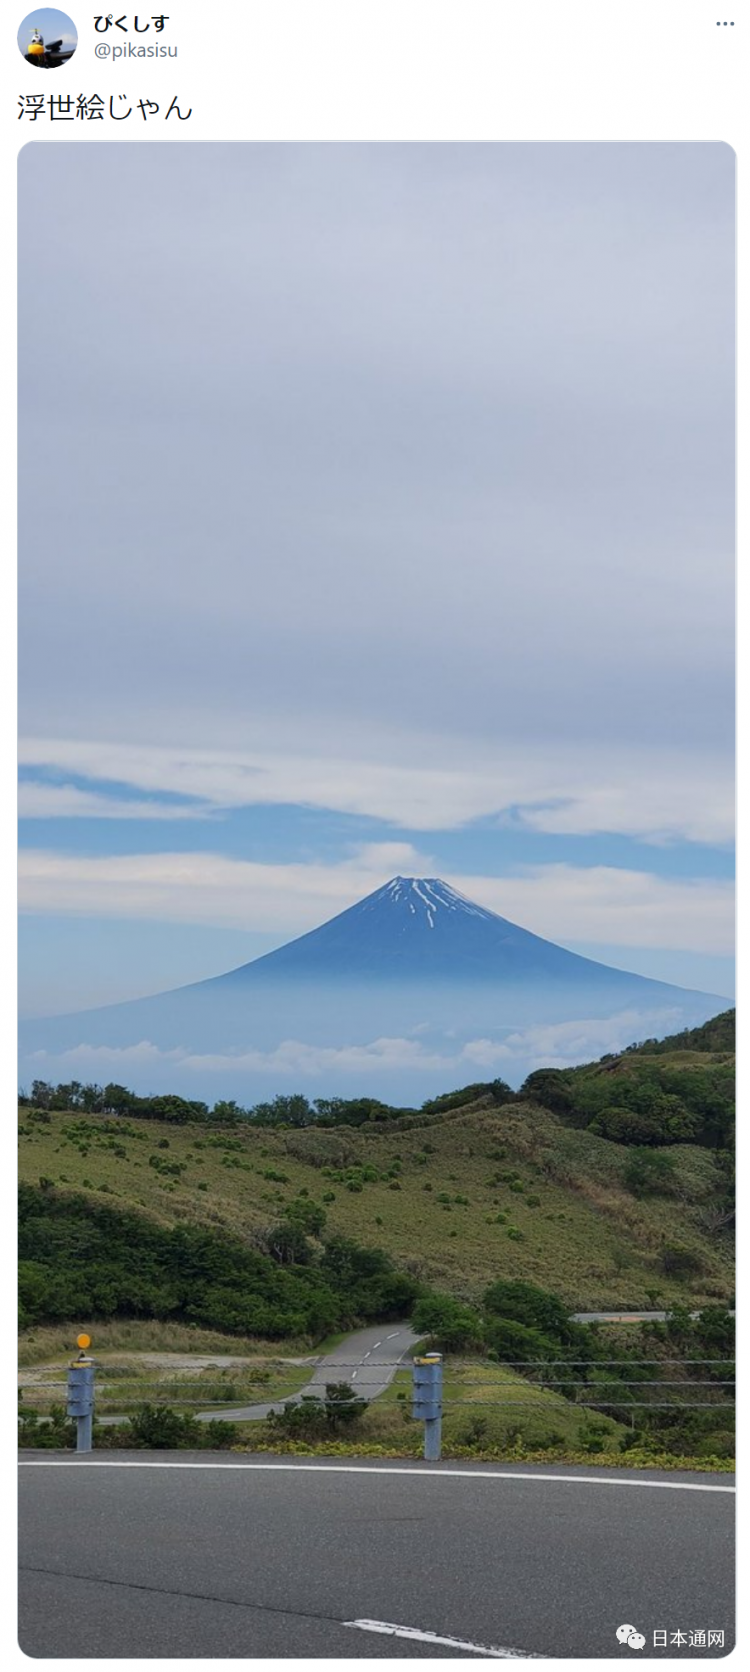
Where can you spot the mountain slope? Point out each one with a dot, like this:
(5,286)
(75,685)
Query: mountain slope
(404,989)
(419,928)
(456,1199)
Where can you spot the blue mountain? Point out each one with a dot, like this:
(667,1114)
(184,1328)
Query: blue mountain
(414,961)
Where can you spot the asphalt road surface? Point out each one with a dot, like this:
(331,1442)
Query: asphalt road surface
(368,1360)
(626,1317)
(194,1555)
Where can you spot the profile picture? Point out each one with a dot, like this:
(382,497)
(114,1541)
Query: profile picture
(47,38)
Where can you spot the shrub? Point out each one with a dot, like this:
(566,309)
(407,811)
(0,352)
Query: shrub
(474,1432)
(452,1326)
(679,1262)
(307,1216)
(649,1172)
(57,1433)
(517,1343)
(312,1418)
(527,1304)
(161,1429)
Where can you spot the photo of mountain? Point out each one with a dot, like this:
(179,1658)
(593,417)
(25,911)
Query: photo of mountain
(396,544)
(426,980)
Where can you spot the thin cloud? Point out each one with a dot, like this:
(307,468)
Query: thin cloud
(66,801)
(596,904)
(294,1061)
(654,795)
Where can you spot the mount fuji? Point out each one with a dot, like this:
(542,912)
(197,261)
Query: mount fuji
(413,988)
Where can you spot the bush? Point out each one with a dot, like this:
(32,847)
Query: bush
(307,1216)
(56,1433)
(160,1428)
(452,1326)
(527,1304)
(679,1262)
(518,1344)
(311,1418)
(649,1172)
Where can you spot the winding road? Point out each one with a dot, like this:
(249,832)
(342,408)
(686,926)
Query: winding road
(368,1360)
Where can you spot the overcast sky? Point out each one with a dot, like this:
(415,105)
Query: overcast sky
(376,515)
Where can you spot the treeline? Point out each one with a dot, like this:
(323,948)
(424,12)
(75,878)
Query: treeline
(294,1110)
(77,1259)
(717,1034)
(641,1098)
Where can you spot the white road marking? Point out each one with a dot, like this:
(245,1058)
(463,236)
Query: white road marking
(354,1375)
(393,1336)
(362,1469)
(412,1632)
(376,1344)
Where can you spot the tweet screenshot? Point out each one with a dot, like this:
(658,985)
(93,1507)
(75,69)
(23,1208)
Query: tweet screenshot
(376,533)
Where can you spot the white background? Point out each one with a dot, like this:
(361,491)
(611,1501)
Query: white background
(591,70)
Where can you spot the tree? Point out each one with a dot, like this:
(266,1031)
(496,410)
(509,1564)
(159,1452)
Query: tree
(227,1112)
(649,1172)
(287,1245)
(452,1326)
(308,1216)
(524,1303)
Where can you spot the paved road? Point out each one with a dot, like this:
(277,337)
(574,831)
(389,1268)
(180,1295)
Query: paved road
(368,1360)
(626,1317)
(200,1556)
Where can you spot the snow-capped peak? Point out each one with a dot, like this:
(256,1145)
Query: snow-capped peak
(428,895)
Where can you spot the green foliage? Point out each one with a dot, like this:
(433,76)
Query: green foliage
(450,1326)
(551,1087)
(718,1034)
(159,1428)
(288,1245)
(79,1258)
(652,1094)
(649,1172)
(311,1418)
(55,1433)
(679,1262)
(527,1304)
(497,1090)
(515,1343)
(307,1215)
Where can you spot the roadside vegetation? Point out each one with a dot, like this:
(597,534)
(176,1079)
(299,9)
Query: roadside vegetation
(168,1228)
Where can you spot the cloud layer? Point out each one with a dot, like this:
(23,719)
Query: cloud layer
(595,904)
(295,1062)
(654,794)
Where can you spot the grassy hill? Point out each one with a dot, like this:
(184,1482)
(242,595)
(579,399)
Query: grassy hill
(456,1198)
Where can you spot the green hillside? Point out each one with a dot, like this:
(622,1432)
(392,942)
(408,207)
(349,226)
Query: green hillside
(456,1199)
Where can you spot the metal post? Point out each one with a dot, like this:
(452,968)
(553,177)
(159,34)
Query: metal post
(427,1401)
(81,1400)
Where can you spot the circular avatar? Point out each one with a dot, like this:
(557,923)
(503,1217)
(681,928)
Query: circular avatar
(47,38)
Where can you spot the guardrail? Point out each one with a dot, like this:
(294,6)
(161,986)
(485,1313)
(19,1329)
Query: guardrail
(676,1380)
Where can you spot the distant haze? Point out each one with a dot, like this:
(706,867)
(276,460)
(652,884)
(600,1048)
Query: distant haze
(413,987)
